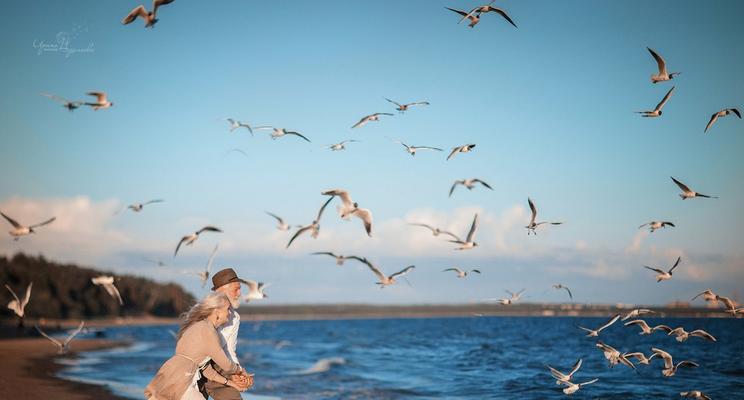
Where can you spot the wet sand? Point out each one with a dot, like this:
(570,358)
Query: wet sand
(30,371)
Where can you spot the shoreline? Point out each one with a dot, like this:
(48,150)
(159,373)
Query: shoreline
(32,372)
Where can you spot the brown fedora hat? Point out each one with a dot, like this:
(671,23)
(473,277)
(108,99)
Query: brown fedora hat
(224,277)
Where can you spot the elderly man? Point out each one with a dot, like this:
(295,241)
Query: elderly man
(226,281)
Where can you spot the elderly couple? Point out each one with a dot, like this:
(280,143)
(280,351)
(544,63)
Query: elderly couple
(205,363)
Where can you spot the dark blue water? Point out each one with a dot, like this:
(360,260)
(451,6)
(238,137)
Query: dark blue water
(448,358)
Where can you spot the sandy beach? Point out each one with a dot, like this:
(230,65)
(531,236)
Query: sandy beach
(30,372)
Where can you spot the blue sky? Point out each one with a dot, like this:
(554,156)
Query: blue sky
(549,105)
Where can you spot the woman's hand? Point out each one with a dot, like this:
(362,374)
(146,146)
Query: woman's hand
(239,387)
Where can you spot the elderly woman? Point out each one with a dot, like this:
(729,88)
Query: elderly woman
(198,343)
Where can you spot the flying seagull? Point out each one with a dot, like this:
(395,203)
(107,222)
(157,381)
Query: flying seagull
(20,230)
(101,101)
(561,286)
(730,305)
(572,388)
(468,183)
(412,149)
(281,225)
(68,104)
(664,275)
(478,11)
(341,145)
(595,332)
(108,283)
(636,313)
(682,335)
(279,132)
(562,378)
(642,359)
(511,300)
(404,107)
(708,296)
(255,290)
(645,329)
(656,112)
(371,117)
(339,258)
(349,208)
(189,239)
(533,225)
(17,305)
(461,273)
(474,19)
(469,241)
(654,225)
(687,193)
(150,17)
(137,207)
(64,347)
(314,227)
(460,149)
(436,231)
(695,394)
(613,356)
(235,124)
(663,75)
(669,367)
(204,275)
(385,280)
(722,113)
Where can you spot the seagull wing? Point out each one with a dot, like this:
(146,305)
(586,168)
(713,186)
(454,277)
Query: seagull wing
(361,122)
(208,228)
(158,3)
(428,148)
(735,111)
(374,269)
(12,221)
(700,294)
(463,13)
(575,367)
(712,121)
(659,61)
(183,239)
(589,382)
(297,234)
(482,183)
(457,238)
(343,194)
(320,212)
(394,102)
(703,334)
(668,362)
(100,96)
(114,292)
(655,269)
(14,295)
(366,216)
(503,14)
(298,134)
(278,218)
(453,152)
(49,221)
(681,185)
(675,265)
(454,185)
(475,270)
(403,271)
(638,322)
(27,296)
(570,295)
(73,334)
(473,228)
(665,99)
(425,226)
(154,201)
(610,322)
(534,210)
(138,11)
(53,340)
(211,259)
(458,270)
(661,328)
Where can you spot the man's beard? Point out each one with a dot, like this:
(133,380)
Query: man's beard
(234,303)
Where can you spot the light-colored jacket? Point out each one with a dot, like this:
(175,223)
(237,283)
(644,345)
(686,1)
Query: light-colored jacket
(197,343)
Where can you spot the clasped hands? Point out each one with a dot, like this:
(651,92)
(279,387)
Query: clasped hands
(241,381)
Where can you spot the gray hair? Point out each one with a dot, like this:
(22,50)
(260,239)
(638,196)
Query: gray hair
(201,310)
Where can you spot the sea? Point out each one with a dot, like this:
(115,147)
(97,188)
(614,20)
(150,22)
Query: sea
(477,357)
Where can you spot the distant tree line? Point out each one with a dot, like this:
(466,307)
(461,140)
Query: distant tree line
(66,291)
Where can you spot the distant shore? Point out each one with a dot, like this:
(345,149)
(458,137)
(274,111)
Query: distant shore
(30,371)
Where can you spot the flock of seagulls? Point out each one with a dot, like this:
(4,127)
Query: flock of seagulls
(349,208)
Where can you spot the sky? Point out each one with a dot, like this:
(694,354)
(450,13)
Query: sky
(550,105)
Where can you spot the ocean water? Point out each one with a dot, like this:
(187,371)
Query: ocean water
(443,358)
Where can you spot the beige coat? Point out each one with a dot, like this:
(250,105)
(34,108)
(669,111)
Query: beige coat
(199,341)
